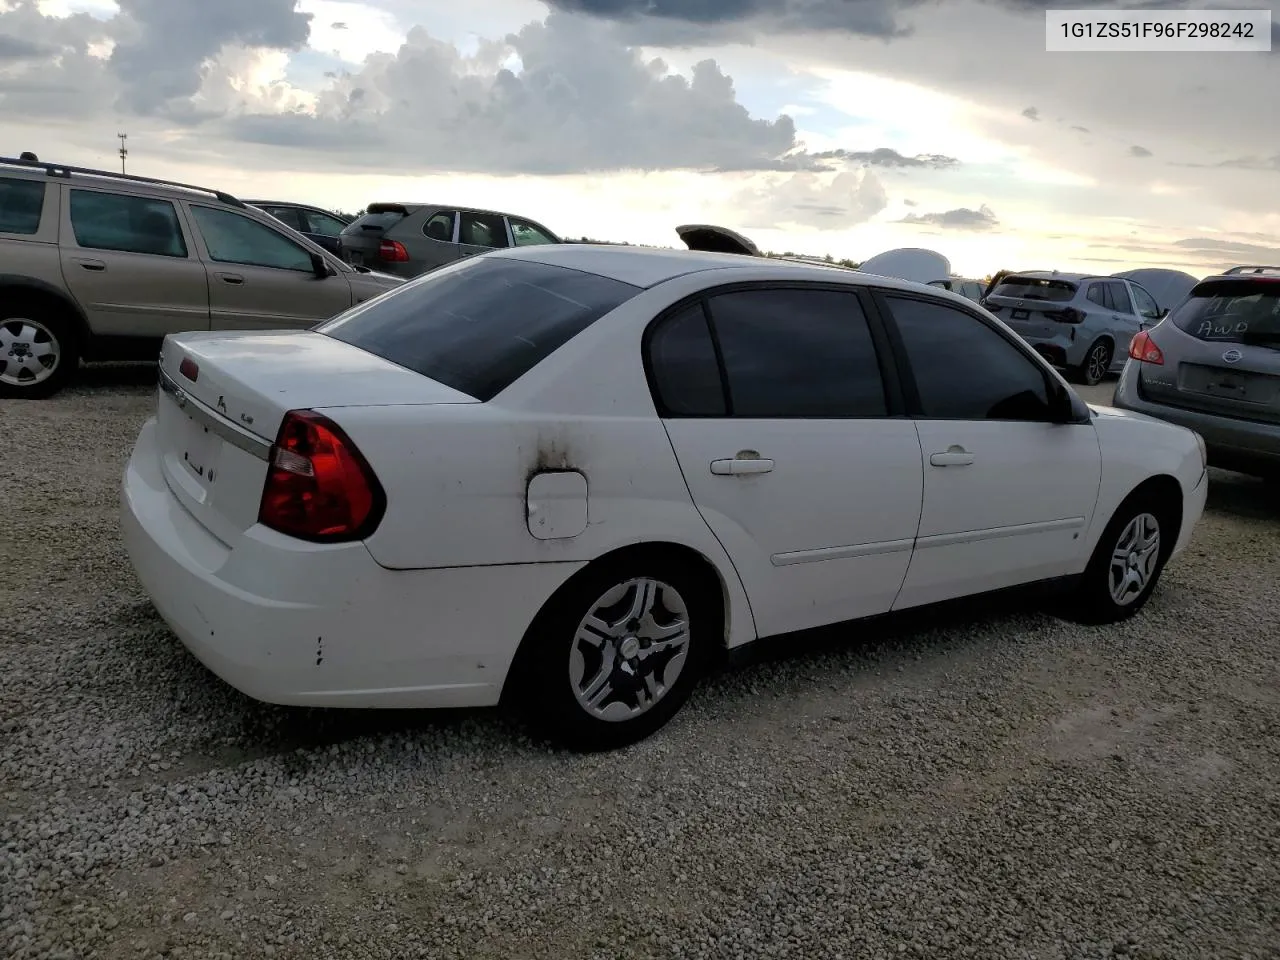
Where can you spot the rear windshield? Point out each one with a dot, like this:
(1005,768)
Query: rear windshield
(1035,288)
(1232,311)
(375,223)
(20,204)
(479,324)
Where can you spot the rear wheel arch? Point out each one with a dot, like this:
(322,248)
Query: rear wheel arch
(28,289)
(707,579)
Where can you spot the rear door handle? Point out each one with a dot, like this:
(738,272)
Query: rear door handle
(230,277)
(955,456)
(91,264)
(747,461)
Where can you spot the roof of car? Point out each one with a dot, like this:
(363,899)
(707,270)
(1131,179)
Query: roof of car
(1053,275)
(88,176)
(650,266)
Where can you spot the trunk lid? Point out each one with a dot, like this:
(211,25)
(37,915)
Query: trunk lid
(216,430)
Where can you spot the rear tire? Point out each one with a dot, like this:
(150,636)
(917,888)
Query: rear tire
(615,654)
(38,350)
(1096,365)
(1126,564)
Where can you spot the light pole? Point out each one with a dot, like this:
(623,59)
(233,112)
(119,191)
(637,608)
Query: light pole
(124,151)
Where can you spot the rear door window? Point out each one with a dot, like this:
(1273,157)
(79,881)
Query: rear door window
(1035,288)
(321,224)
(20,204)
(116,221)
(286,215)
(1232,311)
(1098,294)
(482,230)
(480,324)
(1120,296)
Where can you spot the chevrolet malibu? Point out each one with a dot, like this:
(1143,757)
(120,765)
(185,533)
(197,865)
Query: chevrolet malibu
(567,477)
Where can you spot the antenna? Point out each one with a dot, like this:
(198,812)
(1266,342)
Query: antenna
(124,151)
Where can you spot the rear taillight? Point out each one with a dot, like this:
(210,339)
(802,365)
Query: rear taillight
(1066,315)
(189,369)
(393,251)
(319,487)
(1143,349)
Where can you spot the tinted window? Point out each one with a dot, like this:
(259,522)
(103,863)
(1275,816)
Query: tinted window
(440,227)
(1145,303)
(479,324)
(374,224)
(231,238)
(482,230)
(1120,297)
(797,353)
(111,221)
(1034,288)
(20,204)
(965,370)
(1098,294)
(526,234)
(320,223)
(682,357)
(1232,311)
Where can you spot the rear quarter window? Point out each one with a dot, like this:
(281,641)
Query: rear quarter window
(480,324)
(1232,311)
(1035,288)
(20,204)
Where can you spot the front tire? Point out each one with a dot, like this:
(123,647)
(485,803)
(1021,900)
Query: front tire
(1126,564)
(1096,365)
(38,354)
(615,656)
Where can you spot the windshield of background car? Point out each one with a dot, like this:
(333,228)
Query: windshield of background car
(382,222)
(480,324)
(1035,288)
(1232,311)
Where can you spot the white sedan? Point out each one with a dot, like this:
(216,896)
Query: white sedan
(569,476)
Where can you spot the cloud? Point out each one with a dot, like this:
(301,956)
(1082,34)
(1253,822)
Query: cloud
(337,25)
(582,101)
(962,218)
(909,203)
(17,48)
(162,45)
(1207,248)
(1079,128)
(1137,151)
(817,200)
(1031,113)
(885,157)
(704,22)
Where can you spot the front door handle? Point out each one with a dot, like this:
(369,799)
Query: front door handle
(956,456)
(746,462)
(230,277)
(97,265)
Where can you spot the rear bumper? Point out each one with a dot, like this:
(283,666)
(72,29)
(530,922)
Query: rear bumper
(1061,349)
(1232,443)
(289,622)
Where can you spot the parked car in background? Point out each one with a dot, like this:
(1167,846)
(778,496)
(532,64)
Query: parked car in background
(1214,365)
(1076,321)
(569,476)
(321,227)
(969,289)
(407,239)
(102,266)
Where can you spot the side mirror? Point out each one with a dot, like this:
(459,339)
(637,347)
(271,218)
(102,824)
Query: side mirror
(319,267)
(1064,410)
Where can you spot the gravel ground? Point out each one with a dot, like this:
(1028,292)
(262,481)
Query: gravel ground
(989,786)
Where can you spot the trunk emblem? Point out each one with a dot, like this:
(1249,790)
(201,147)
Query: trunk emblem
(1233,356)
